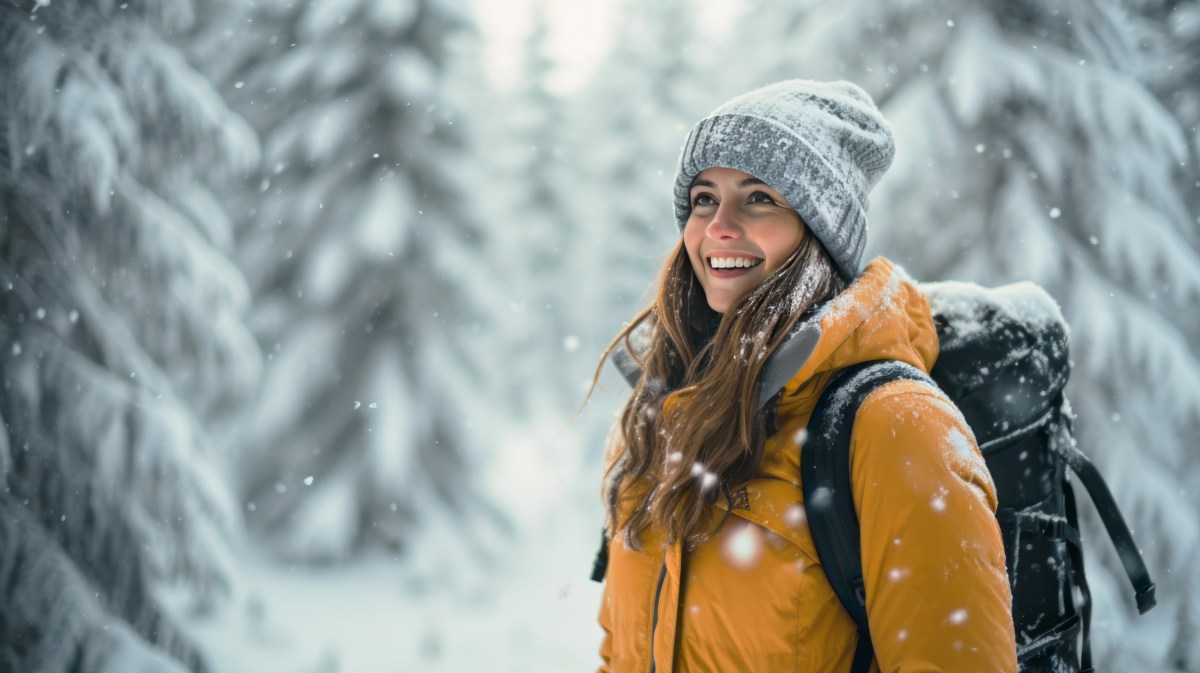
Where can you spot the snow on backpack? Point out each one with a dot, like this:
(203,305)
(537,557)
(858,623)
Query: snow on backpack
(1003,361)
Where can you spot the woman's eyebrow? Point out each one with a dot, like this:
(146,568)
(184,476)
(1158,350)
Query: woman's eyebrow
(744,183)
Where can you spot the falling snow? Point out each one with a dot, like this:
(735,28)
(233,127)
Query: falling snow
(743,548)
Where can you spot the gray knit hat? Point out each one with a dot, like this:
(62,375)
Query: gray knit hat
(822,145)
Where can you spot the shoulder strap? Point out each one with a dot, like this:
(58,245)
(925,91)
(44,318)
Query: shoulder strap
(600,564)
(1114,523)
(828,498)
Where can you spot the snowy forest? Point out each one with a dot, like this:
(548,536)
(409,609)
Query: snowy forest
(302,299)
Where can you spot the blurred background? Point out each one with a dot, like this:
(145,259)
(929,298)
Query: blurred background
(300,299)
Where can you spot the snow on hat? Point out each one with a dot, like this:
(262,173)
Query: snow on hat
(822,145)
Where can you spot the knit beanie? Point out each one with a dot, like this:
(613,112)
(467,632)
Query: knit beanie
(822,145)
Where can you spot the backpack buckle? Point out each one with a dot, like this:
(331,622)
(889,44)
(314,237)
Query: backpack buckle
(1145,599)
(1057,528)
(860,591)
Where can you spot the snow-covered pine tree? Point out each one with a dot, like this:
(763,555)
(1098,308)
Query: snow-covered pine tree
(533,179)
(364,257)
(527,187)
(1030,149)
(1172,73)
(121,336)
(635,114)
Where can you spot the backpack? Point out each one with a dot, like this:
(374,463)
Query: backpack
(1003,362)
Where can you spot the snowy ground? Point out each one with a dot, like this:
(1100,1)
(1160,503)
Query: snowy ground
(533,610)
(366,617)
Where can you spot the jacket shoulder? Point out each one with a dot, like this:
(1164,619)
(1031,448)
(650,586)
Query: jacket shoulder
(912,397)
(910,437)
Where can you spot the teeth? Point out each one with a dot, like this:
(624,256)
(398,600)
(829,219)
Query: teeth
(732,262)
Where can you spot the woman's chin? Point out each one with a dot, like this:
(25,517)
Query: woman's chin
(721,302)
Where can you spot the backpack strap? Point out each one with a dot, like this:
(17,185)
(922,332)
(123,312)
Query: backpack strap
(1075,549)
(828,498)
(1118,532)
(1114,523)
(600,565)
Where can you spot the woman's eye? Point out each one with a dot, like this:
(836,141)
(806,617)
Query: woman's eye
(761,197)
(702,200)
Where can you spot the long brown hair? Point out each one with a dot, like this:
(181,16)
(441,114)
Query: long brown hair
(709,440)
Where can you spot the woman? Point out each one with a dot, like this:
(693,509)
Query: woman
(711,564)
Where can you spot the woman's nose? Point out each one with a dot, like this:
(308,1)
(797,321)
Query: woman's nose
(724,225)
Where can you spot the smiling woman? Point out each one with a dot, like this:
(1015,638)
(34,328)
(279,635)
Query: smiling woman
(740,231)
(708,543)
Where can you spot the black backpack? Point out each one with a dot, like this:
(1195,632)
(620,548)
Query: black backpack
(1003,362)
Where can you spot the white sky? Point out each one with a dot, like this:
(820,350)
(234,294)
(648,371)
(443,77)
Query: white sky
(580,32)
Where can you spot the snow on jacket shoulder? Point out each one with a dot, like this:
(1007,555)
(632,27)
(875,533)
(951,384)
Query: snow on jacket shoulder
(754,596)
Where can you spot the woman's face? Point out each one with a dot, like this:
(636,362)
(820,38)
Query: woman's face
(739,232)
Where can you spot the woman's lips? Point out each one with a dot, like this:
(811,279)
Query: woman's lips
(730,273)
(730,264)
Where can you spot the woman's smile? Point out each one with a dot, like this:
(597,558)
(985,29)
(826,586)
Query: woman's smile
(732,262)
(730,266)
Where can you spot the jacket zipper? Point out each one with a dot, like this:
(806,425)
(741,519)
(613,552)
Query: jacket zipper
(654,621)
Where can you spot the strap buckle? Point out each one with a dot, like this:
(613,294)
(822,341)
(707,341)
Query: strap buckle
(860,591)
(1145,599)
(1056,528)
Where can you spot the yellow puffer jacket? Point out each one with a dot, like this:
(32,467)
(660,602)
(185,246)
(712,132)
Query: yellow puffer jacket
(754,597)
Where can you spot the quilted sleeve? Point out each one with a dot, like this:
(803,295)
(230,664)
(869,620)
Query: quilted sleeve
(937,590)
